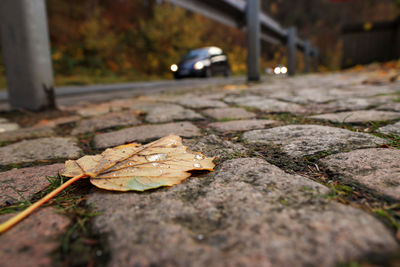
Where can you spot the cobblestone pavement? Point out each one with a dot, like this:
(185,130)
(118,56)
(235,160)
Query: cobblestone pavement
(308,174)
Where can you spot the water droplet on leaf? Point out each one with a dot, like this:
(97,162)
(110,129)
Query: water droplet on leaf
(156,157)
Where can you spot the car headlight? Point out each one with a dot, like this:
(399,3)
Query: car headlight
(198,65)
(277,70)
(174,67)
(283,70)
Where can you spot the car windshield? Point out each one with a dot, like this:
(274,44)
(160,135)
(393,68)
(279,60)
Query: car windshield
(198,53)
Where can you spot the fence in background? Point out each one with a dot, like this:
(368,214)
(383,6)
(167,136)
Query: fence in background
(25,43)
(259,26)
(370,42)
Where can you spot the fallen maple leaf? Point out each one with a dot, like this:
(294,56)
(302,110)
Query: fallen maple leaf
(164,162)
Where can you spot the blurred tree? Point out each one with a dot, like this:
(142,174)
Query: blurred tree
(162,39)
(321,20)
(127,37)
(142,38)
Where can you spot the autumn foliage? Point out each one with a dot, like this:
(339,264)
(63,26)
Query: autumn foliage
(105,41)
(132,38)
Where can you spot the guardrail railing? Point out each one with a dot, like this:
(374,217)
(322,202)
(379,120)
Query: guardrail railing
(26,50)
(259,26)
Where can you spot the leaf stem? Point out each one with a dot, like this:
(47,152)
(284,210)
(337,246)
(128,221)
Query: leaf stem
(19,217)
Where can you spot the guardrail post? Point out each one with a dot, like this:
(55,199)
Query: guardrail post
(291,50)
(26,53)
(307,53)
(397,44)
(315,59)
(253,40)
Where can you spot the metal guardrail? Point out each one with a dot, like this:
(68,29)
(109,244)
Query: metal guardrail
(26,50)
(233,13)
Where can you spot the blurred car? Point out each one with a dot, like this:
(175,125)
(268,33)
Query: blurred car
(202,62)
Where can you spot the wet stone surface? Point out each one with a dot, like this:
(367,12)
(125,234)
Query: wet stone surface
(40,149)
(376,169)
(359,116)
(145,133)
(305,140)
(241,125)
(32,242)
(248,213)
(21,184)
(127,118)
(229,113)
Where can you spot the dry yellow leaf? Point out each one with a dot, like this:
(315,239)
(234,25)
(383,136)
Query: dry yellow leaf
(164,162)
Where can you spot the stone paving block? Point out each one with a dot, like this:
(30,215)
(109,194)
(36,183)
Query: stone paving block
(145,133)
(214,146)
(40,149)
(214,96)
(145,107)
(31,242)
(94,110)
(229,113)
(390,106)
(361,90)
(201,103)
(241,125)
(303,96)
(58,121)
(247,213)
(21,184)
(168,112)
(305,140)
(265,104)
(127,118)
(26,133)
(358,116)
(8,126)
(375,168)
(391,129)
(347,104)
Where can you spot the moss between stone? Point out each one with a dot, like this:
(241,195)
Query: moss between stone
(4,168)
(388,260)
(393,140)
(81,244)
(342,190)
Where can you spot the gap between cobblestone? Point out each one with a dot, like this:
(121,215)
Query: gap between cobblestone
(82,245)
(348,193)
